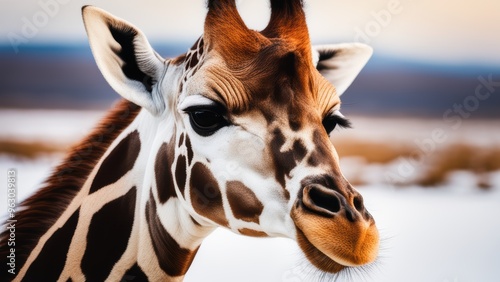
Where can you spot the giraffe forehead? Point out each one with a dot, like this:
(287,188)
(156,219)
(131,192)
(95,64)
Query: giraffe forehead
(277,72)
(274,93)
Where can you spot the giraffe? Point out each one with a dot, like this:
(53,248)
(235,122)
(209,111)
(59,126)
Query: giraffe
(235,134)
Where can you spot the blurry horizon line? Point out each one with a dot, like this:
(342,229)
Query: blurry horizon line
(178,47)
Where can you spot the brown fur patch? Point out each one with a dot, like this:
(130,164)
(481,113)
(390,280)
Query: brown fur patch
(181,173)
(173,259)
(108,236)
(164,179)
(178,60)
(244,204)
(181,140)
(285,161)
(322,153)
(39,212)
(194,221)
(184,57)
(189,149)
(252,233)
(135,273)
(120,161)
(49,264)
(206,197)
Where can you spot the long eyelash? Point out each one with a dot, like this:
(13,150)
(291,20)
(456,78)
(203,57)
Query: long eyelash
(216,107)
(338,120)
(342,121)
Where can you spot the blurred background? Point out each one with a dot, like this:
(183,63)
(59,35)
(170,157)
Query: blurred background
(424,151)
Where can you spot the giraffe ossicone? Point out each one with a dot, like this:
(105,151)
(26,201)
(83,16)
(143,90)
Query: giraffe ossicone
(233,134)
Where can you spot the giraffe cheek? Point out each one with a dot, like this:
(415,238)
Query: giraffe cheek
(206,198)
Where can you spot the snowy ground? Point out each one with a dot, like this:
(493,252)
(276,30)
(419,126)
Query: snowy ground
(428,236)
(450,234)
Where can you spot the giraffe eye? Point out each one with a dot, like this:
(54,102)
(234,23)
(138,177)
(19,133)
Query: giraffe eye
(206,120)
(330,122)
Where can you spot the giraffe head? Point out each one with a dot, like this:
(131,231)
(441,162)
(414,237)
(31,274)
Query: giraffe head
(246,122)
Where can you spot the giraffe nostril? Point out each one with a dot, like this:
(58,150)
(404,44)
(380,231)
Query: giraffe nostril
(358,204)
(321,200)
(326,201)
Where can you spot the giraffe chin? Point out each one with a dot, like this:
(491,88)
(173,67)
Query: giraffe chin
(333,244)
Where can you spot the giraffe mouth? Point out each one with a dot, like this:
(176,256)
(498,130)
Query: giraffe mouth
(334,243)
(316,257)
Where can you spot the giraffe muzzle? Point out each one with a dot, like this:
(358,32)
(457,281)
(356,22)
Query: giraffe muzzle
(333,230)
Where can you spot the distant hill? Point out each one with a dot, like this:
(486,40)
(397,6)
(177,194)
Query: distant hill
(67,77)
(396,87)
(57,77)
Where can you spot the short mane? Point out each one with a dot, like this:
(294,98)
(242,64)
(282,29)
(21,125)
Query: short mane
(41,210)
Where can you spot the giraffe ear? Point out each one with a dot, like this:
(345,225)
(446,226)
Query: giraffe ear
(341,63)
(126,59)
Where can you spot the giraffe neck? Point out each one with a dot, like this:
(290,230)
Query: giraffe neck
(126,221)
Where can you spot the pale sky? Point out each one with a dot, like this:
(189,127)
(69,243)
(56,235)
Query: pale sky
(460,32)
